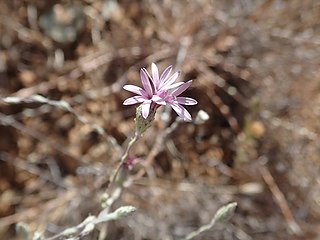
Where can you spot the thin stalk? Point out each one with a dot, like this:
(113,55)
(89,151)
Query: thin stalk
(124,157)
(201,230)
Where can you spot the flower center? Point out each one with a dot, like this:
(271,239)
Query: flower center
(162,93)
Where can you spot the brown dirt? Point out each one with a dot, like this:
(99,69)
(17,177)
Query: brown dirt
(255,66)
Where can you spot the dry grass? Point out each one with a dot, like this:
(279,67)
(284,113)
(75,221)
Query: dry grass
(255,66)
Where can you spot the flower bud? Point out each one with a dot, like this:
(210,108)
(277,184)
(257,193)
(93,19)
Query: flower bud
(22,229)
(143,124)
(225,213)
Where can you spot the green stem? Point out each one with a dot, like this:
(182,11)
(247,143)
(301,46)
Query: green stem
(124,157)
(201,230)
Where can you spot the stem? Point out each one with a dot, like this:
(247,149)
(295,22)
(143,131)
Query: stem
(222,215)
(124,157)
(201,230)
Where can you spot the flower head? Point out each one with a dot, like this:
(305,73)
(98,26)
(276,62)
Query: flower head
(164,91)
(131,161)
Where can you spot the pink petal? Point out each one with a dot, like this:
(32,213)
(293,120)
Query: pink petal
(181,111)
(146,83)
(146,72)
(186,101)
(158,100)
(134,100)
(182,88)
(133,89)
(155,74)
(165,74)
(171,80)
(178,84)
(145,107)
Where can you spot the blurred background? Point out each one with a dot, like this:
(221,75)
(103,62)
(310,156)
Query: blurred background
(255,65)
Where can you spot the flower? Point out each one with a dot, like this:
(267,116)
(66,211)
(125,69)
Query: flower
(131,161)
(164,84)
(164,91)
(145,95)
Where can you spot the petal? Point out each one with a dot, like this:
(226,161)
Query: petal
(146,83)
(171,80)
(186,101)
(165,74)
(145,107)
(182,88)
(134,100)
(133,89)
(150,78)
(178,84)
(181,111)
(147,73)
(155,75)
(158,100)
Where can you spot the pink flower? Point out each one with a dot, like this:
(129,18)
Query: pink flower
(161,93)
(129,164)
(165,83)
(145,95)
